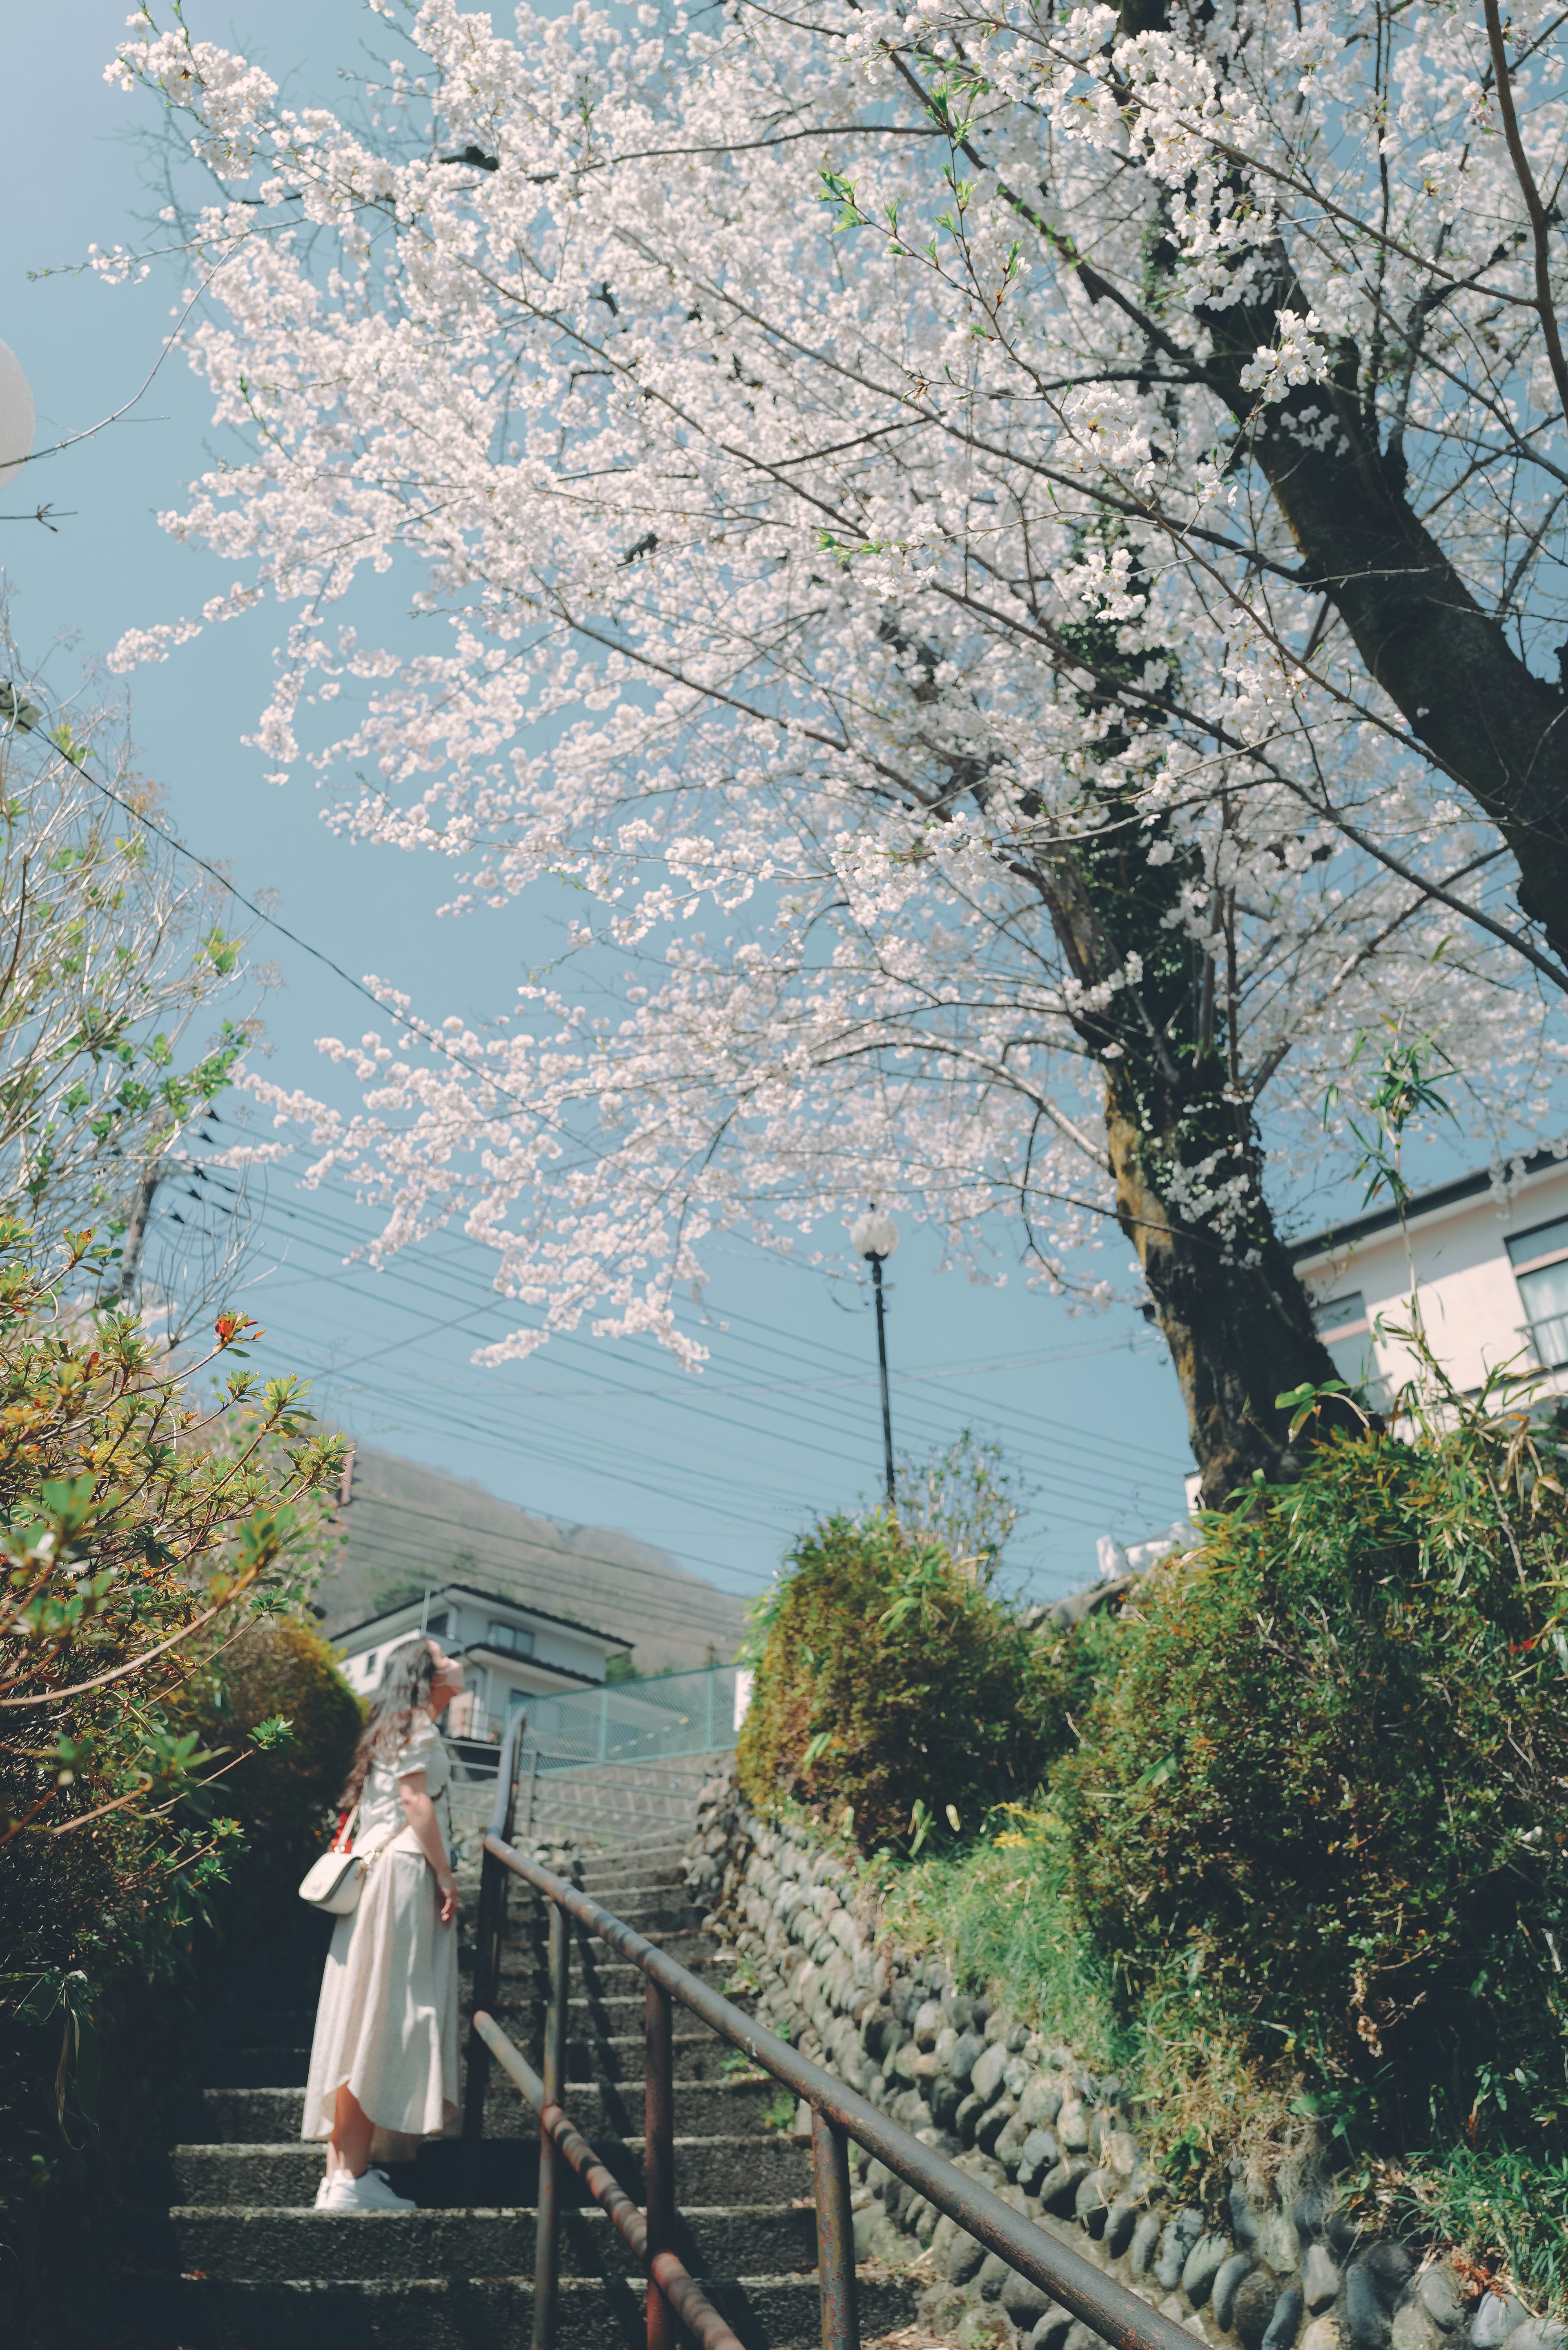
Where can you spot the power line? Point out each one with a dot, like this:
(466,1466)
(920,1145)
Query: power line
(1061,1491)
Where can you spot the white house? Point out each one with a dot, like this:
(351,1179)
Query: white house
(512,1652)
(1487,1257)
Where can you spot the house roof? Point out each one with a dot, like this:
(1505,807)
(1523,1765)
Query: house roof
(611,1640)
(406,1526)
(1420,1204)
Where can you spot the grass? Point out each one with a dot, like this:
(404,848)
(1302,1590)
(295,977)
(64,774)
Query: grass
(1000,1913)
(999,1909)
(1505,2212)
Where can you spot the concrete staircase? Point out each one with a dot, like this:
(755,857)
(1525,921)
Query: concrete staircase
(261,2270)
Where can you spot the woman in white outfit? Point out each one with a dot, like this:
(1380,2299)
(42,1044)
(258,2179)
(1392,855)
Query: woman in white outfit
(385,2052)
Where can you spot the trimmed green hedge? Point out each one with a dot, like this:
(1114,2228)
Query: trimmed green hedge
(892,1684)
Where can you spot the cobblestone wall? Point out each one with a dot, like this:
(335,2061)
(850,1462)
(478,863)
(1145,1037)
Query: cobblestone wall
(1285,2272)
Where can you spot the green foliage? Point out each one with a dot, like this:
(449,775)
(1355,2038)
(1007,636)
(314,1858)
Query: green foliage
(892,1683)
(967,1498)
(138,1536)
(276,1700)
(1000,1908)
(1318,1804)
(112,953)
(1503,2210)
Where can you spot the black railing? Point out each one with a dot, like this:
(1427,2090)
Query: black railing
(838,2113)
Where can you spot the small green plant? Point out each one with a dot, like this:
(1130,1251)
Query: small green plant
(736,2065)
(779,2113)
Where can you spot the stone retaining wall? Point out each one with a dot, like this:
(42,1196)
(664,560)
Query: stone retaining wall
(1286,2272)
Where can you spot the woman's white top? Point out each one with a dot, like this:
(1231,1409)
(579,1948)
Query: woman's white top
(381,1816)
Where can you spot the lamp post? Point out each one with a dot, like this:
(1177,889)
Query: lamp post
(875,1236)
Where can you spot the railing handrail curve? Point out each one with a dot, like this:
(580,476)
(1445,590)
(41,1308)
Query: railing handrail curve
(1108,2308)
(506,1771)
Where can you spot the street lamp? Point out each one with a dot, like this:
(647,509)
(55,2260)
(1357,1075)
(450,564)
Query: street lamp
(875,1236)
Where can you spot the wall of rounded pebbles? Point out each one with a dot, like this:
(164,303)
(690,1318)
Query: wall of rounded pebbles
(1062,2146)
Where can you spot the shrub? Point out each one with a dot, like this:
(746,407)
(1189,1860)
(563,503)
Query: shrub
(280,1669)
(890,1680)
(1320,1797)
(140,1536)
(146,1543)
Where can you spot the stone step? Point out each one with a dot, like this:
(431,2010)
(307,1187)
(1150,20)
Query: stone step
(657,1912)
(699,2055)
(618,2016)
(259,2116)
(650,1861)
(258,2241)
(601,1961)
(453,2174)
(767,2313)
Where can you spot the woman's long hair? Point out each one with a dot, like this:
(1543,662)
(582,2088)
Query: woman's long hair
(401,1695)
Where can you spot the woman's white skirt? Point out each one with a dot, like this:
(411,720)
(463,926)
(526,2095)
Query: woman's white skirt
(387,2022)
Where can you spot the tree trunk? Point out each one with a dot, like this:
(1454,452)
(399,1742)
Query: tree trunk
(1498,731)
(1233,1312)
(1483,716)
(1185,1155)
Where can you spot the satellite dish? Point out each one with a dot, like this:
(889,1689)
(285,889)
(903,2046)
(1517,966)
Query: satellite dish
(18,418)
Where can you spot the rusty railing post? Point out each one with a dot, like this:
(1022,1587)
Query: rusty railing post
(659,2154)
(490,1926)
(834,2234)
(486,1986)
(547,2237)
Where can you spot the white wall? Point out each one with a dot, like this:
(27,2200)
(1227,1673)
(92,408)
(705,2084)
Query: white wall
(1470,1299)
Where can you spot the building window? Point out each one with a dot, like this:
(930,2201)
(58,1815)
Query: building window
(371,1662)
(510,1639)
(1539,1260)
(437,1625)
(1340,1323)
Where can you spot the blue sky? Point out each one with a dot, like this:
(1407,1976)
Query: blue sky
(720,1469)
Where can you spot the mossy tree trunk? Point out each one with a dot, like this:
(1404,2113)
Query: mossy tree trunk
(1184,1152)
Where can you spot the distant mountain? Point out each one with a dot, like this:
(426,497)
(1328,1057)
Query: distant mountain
(408,1526)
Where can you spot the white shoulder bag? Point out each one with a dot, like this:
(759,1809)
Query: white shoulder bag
(336,1881)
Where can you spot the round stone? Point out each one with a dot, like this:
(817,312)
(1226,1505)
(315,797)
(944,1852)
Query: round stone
(1320,2278)
(1286,2321)
(1023,2300)
(1499,2315)
(1254,2307)
(1202,2266)
(1226,2284)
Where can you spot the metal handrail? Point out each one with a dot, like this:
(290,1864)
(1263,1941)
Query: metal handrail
(674,2280)
(837,2114)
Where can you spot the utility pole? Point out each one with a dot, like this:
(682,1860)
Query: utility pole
(146,1191)
(875,1236)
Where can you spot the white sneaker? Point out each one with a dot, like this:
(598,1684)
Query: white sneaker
(378,2194)
(370,2192)
(325,2182)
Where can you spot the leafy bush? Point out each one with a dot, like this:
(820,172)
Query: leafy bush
(147,1543)
(891,1680)
(1320,1798)
(139,1533)
(280,1668)
(114,961)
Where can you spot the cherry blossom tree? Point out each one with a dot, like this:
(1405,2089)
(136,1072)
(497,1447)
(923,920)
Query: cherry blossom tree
(1011,558)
